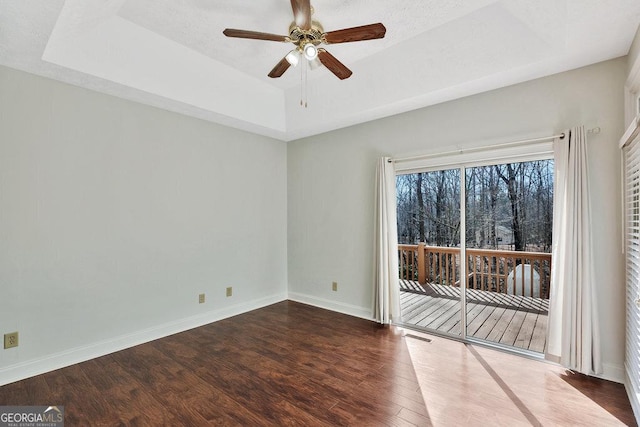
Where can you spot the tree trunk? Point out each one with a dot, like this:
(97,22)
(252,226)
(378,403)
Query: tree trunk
(493,188)
(421,208)
(512,189)
(440,209)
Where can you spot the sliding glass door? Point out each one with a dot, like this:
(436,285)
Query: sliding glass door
(509,211)
(429,249)
(492,284)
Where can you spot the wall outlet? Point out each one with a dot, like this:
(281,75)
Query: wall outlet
(334,286)
(229,291)
(11,340)
(201,299)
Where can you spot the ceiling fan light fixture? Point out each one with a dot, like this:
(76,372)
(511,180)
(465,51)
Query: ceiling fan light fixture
(307,36)
(293,57)
(310,51)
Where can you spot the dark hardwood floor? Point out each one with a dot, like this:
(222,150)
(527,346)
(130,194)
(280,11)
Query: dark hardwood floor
(292,364)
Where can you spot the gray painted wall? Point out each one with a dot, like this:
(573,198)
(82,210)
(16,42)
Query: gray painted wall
(114,216)
(331,183)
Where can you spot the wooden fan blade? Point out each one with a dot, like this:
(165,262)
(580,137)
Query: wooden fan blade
(302,13)
(280,68)
(365,32)
(245,34)
(335,66)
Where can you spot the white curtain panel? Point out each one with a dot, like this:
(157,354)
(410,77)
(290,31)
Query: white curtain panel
(573,330)
(387,289)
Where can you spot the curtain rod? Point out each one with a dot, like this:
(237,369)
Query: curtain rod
(487,147)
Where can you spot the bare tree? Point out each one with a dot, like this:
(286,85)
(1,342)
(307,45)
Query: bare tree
(509,205)
(510,179)
(421,209)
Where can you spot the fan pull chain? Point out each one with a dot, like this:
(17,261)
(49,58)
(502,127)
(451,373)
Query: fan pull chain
(303,84)
(306,86)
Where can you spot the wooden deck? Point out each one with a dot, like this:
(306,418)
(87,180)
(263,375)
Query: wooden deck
(506,319)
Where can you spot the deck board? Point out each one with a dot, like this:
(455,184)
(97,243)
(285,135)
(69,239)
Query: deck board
(516,324)
(452,324)
(489,324)
(447,312)
(498,331)
(483,316)
(440,310)
(523,339)
(539,338)
(506,319)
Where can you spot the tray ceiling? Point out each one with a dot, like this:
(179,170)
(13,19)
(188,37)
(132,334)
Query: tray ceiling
(172,53)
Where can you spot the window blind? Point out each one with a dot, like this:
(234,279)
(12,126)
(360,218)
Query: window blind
(631,153)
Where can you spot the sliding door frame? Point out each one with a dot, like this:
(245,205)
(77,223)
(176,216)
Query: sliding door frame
(527,153)
(463,253)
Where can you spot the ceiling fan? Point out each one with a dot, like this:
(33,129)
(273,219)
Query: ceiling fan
(307,35)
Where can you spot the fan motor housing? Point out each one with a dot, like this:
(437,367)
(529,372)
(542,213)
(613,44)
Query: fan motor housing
(300,37)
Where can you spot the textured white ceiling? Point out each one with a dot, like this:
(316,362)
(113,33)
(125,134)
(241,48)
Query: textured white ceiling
(172,53)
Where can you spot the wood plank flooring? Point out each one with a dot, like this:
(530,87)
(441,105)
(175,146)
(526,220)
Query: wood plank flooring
(292,364)
(506,319)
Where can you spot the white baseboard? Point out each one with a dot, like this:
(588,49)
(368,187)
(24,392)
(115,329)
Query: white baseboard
(72,356)
(340,307)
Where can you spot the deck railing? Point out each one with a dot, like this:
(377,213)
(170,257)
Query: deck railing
(509,272)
